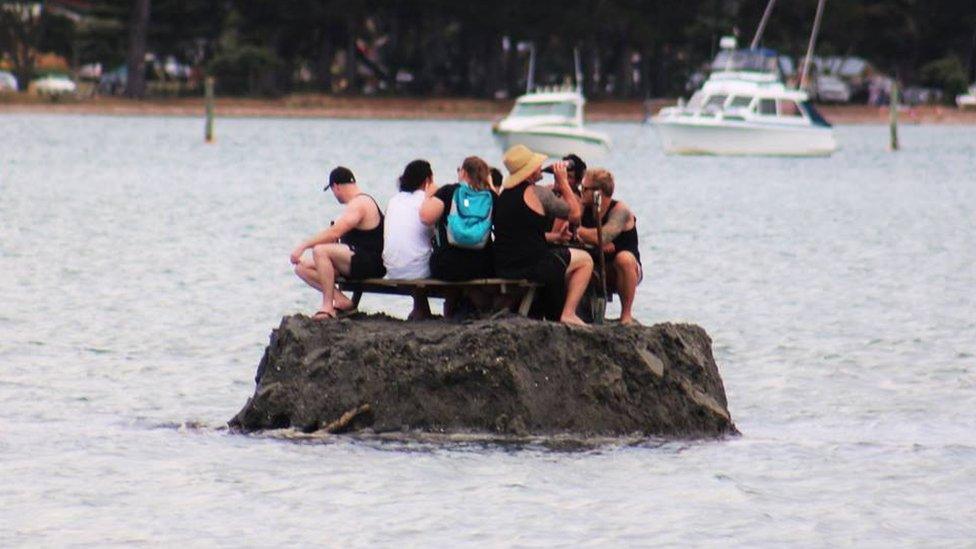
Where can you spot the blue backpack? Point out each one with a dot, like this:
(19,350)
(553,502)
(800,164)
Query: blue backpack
(469,220)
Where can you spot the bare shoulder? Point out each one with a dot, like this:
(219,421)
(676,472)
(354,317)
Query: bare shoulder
(622,207)
(621,215)
(363,203)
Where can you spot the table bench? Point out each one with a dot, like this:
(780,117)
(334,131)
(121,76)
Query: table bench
(439,288)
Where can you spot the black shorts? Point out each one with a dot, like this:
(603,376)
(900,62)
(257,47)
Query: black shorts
(550,271)
(456,264)
(365,264)
(551,267)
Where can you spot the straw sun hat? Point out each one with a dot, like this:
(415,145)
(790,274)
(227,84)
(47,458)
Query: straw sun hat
(520,162)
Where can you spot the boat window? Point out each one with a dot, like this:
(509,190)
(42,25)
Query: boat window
(788,108)
(760,60)
(545,109)
(767,107)
(714,103)
(740,101)
(695,102)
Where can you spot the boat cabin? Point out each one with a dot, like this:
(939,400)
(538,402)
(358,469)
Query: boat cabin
(559,107)
(759,60)
(782,107)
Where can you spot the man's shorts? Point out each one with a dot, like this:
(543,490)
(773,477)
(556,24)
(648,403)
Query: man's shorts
(550,270)
(551,267)
(365,264)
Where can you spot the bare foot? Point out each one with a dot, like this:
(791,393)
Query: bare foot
(572,320)
(324,315)
(342,303)
(629,321)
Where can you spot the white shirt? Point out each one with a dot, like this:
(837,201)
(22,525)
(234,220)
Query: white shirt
(406,241)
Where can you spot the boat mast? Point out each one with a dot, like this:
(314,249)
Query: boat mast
(579,70)
(813,42)
(762,25)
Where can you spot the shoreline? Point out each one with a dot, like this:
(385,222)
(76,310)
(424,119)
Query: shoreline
(411,108)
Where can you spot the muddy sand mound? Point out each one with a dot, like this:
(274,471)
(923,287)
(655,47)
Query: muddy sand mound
(510,376)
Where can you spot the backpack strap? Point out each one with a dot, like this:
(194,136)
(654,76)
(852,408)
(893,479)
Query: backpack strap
(450,210)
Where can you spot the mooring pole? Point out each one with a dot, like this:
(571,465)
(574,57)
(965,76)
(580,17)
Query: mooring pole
(208,92)
(600,314)
(893,115)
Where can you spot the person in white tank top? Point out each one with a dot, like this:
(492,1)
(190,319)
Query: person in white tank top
(406,240)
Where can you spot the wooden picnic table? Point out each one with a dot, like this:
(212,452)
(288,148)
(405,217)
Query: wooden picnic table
(431,287)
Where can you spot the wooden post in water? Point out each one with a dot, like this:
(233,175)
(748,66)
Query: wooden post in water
(893,115)
(599,305)
(208,92)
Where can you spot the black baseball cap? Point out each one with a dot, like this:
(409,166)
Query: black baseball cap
(577,165)
(340,176)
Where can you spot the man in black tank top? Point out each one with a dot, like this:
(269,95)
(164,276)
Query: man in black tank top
(351,247)
(522,214)
(619,227)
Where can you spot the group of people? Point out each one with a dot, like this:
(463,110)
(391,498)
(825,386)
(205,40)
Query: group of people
(483,226)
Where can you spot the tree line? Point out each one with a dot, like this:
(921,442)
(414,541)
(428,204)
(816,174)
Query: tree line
(629,48)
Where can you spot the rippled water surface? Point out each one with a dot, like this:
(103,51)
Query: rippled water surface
(142,271)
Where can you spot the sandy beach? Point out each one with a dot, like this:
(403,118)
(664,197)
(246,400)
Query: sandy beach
(326,106)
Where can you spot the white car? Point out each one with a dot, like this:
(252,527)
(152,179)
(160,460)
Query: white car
(830,89)
(967,100)
(8,82)
(54,85)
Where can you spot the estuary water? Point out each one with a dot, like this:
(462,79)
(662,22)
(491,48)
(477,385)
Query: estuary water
(142,271)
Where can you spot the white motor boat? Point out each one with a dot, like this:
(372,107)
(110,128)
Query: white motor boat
(967,100)
(551,122)
(746,109)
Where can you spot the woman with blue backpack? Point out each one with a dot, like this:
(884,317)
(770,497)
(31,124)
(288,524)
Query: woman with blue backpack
(461,216)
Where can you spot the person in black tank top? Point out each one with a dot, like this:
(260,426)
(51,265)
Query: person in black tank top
(620,246)
(522,215)
(352,246)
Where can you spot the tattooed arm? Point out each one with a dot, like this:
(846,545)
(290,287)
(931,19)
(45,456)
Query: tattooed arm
(552,205)
(616,223)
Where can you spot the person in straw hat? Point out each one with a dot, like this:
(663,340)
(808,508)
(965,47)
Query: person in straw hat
(522,216)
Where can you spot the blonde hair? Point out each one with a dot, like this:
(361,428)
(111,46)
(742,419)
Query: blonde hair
(478,172)
(601,179)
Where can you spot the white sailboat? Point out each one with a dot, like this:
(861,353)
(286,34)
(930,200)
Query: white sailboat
(550,121)
(744,108)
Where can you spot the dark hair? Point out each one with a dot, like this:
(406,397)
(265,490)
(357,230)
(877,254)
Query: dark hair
(477,171)
(496,177)
(578,166)
(414,175)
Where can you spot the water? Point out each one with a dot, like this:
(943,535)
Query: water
(141,273)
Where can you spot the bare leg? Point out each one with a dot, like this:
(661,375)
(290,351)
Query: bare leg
(330,260)
(628,274)
(450,302)
(341,301)
(421,307)
(306,271)
(577,277)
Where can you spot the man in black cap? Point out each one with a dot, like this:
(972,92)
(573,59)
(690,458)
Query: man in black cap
(351,247)
(561,233)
